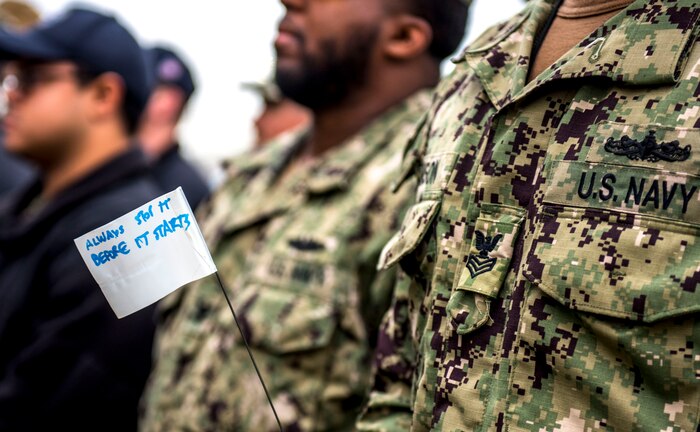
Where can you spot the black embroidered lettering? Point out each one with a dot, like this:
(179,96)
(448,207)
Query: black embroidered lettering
(687,196)
(302,274)
(668,195)
(634,191)
(607,188)
(585,195)
(652,195)
(308,273)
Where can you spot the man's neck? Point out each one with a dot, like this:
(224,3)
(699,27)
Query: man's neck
(588,8)
(94,154)
(333,126)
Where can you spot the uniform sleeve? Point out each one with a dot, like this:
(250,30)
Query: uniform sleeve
(383,219)
(389,405)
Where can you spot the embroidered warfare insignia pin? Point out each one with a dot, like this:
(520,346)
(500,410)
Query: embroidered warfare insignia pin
(306,244)
(482,263)
(648,149)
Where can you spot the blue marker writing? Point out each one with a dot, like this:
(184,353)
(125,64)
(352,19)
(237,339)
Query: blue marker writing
(110,254)
(104,237)
(144,216)
(143,238)
(169,226)
(164,204)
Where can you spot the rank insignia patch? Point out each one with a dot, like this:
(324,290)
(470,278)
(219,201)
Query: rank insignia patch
(482,263)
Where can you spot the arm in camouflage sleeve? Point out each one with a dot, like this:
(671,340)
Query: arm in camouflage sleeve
(389,405)
(383,218)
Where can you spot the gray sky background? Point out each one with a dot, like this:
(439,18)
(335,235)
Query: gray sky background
(228,43)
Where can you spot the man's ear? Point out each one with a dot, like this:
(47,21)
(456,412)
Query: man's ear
(406,37)
(107,93)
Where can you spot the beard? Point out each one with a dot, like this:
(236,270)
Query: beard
(328,79)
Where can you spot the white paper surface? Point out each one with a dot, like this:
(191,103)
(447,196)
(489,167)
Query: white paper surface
(146,254)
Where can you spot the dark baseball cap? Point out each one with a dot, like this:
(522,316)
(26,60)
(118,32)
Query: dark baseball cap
(165,66)
(90,39)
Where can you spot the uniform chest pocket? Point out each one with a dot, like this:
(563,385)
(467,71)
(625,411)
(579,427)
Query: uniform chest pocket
(616,264)
(283,322)
(649,170)
(618,231)
(287,302)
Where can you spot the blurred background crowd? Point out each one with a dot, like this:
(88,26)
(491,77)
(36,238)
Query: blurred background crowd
(230,54)
(75,99)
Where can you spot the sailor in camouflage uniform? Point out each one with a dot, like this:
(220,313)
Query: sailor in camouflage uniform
(296,237)
(552,258)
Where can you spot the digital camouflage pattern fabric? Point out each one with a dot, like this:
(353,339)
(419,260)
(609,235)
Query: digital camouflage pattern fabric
(552,257)
(299,256)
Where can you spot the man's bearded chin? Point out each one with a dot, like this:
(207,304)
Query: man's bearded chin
(330,78)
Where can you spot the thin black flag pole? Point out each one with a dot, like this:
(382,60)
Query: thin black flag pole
(250,353)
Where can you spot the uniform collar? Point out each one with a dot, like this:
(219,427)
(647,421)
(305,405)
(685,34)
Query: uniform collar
(251,194)
(337,167)
(256,175)
(646,44)
(272,158)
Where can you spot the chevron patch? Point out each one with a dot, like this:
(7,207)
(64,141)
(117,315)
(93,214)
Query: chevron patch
(478,265)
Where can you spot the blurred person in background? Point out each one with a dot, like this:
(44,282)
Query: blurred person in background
(173,87)
(14,172)
(279,114)
(297,229)
(18,15)
(76,86)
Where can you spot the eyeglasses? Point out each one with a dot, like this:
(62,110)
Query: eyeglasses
(24,81)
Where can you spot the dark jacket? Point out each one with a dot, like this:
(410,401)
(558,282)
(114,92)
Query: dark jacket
(14,173)
(66,361)
(171,171)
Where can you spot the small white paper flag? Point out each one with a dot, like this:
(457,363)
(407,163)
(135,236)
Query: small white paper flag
(146,254)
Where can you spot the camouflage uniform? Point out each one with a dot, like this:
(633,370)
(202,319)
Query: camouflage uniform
(552,257)
(299,256)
